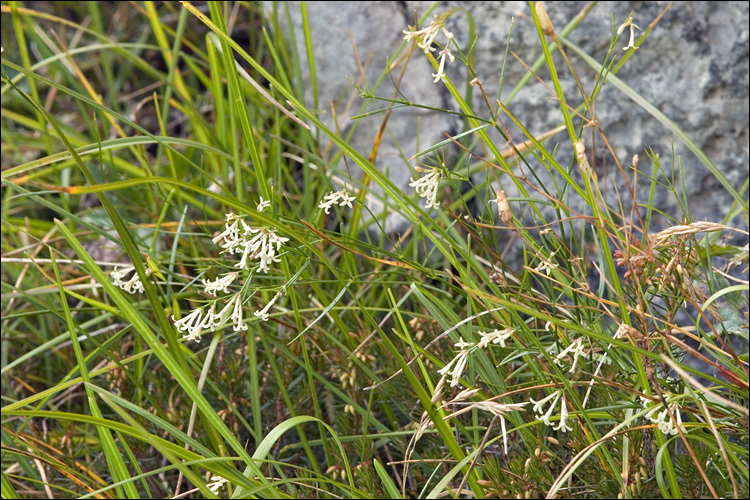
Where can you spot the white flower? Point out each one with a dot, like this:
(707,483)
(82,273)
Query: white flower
(629,23)
(333,197)
(462,344)
(254,243)
(456,366)
(496,337)
(231,233)
(499,410)
(232,310)
(440,75)
(220,284)
(131,286)
(539,406)
(576,349)
(237,315)
(662,419)
(216,484)
(563,426)
(263,313)
(546,265)
(427,185)
(429,33)
(191,324)
(262,205)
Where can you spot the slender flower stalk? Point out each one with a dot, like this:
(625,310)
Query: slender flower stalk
(499,410)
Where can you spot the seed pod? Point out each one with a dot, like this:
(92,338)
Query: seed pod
(581,155)
(503,209)
(544,20)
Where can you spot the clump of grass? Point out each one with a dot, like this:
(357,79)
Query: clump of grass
(219,320)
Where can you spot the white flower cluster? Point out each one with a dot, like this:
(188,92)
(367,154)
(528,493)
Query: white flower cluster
(496,337)
(427,185)
(662,419)
(219,284)
(195,323)
(216,483)
(131,286)
(342,197)
(253,243)
(539,410)
(426,36)
(457,365)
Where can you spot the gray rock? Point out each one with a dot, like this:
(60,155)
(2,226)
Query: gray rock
(693,67)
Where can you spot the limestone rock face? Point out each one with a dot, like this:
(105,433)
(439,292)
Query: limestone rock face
(693,68)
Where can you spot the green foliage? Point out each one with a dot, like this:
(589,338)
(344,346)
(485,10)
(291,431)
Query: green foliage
(337,359)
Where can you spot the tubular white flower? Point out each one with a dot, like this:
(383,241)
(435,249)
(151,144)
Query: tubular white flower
(131,286)
(563,426)
(576,349)
(220,284)
(662,419)
(256,243)
(220,319)
(237,315)
(629,23)
(191,324)
(539,406)
(343,198)
(263,204)
(440,75)
(456,367)
(231,233)
(429,33)
(263,313)
(427,186)
(496,337)
(216,483)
